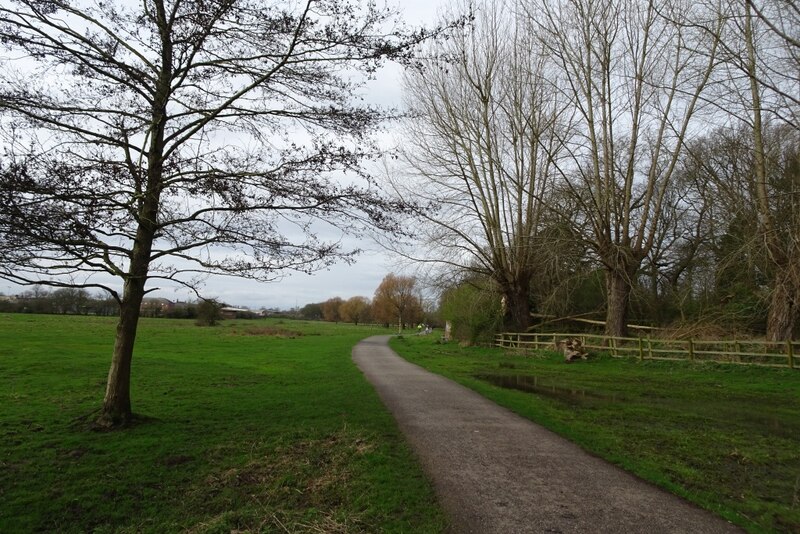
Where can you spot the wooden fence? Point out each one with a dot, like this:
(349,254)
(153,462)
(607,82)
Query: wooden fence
(746,352)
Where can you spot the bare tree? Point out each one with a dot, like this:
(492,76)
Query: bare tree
(486,127)
(773,59)
(397,299)
(331,309)
(755,228)
(70,300)
(312,311)
(757,88)
(355,310)
(783,248)
(169,139)
(636,79)
(679,267)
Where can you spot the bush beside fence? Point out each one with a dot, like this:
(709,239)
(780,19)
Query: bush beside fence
(745,352)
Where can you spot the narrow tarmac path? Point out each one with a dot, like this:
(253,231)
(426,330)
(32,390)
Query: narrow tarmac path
(495,472)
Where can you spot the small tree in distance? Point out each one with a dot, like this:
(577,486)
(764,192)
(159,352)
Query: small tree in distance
(330,309)
(355,310)
(209,312)
(312,311)
(397,300)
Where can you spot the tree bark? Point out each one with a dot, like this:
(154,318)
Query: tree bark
(517,315)
(618,296)
(784,307)
(117,411)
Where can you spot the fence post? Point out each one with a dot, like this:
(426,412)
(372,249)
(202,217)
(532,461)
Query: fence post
(641,350)
(649,348)
(691,349)
(790,353)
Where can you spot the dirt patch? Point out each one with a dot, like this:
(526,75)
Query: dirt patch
(76,454)
(313,464)
(272,331)
(238,381)
(178,459)
(298,487)
(278,520)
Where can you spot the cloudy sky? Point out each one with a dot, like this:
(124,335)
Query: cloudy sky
(360,278)
(363,277)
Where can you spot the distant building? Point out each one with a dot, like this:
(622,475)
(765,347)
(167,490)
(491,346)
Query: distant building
(156,307)
(229,312)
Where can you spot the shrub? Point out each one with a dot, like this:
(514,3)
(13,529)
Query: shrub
(208,312)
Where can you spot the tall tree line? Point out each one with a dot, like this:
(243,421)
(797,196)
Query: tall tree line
(655,143)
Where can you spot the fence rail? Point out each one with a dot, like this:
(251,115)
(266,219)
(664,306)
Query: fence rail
(745,352)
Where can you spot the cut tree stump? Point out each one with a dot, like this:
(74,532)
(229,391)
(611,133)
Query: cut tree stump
(572,348)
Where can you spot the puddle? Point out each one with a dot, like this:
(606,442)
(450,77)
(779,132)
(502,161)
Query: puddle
(532,384)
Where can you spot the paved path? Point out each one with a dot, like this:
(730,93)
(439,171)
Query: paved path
(495,472)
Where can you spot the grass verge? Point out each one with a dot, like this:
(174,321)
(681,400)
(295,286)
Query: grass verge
(725,437)
(260,426)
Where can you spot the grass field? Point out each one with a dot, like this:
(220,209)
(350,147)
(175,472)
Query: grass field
(250,426)
(724,436)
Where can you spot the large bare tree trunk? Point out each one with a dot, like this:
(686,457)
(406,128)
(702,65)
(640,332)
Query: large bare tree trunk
(783,309)
(635,78)
(117,411)
(117,402)
(784,306)
(618,296)
(482,147)
(517,310)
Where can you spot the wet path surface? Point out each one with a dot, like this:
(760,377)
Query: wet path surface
(495,472)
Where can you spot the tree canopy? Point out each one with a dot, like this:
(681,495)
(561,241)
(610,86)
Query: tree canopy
(556,138)
(397,300)
(172,139)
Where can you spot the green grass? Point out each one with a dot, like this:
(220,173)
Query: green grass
(723,436)
(248,427)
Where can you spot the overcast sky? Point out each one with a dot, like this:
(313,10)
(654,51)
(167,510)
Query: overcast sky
(360,278)
(363,277)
